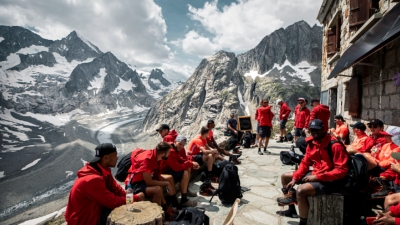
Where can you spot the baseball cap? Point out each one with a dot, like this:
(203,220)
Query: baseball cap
(102,150)
(314,100)
(359,125)
(301,99)
(376,122)
(162,127)
(340,117)
(278,101)
(316,124)
(180,138)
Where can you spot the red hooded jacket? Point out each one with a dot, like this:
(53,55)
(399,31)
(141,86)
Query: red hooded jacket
(143,161)
(284,110)
(395,209)
(175,162)
(301,117)
(264,116)
(371,142)
(91,192)
(170,137)
(322,113)
(325,168)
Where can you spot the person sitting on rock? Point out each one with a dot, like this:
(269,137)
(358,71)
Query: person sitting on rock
(283,117)
(264,116)
(167,135)
(202,153)
(359,141)
(341,132)
(322,179)
(231,127)
(144,176)
(96,193)
(180,168)
(213,144)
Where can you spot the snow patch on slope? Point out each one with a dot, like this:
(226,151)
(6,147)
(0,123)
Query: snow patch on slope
(98,80)
(1,39)
(12,60)
(87,42)
(124,85)
(31,164)
(33,49)
(242,103)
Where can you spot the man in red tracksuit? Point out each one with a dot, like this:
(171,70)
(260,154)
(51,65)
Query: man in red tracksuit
(374,142)
(95,193)
(179,168)
(320,112)
(144,176)
(283,117)
(302,114)
(320,180)
(264,116)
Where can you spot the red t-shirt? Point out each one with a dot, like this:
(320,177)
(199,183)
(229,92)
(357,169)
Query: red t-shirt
(210,135)
(195,145)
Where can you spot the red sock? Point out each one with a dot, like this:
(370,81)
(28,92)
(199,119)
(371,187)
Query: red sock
(136,197)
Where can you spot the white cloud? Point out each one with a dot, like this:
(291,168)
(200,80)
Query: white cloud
(195,44)
(133,30)
(241,25)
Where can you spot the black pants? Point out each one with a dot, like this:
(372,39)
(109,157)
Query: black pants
(104,215)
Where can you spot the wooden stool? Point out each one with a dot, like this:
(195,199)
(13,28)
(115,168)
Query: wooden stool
(326,209)
(140,213)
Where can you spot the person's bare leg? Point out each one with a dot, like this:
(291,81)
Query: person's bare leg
(156,192)
(266,142)
(392,199)
(284,132)
(170,179)
(370,160)
(210,161)
(185,181)
(295,139)
(303,191)
(286,178)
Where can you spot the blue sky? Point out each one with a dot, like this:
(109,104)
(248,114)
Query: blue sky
(174,35)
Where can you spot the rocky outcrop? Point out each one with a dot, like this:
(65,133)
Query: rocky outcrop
(212,92)
(40,58)
(156,78)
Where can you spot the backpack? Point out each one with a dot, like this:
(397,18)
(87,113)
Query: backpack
(290,157)
(289,137)
(247,139)
(357,177)
(229,185)
(191,216)
(123,167)
(231,143)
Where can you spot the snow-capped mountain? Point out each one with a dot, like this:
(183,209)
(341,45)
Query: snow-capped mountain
(49,77)
(156,84)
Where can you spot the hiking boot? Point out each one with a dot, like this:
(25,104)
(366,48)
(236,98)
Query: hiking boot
(191,193)
(260,152)
(288,199)
(266,151)
(280,140)
(190,203)
(384,188)
(170,213)
(285,139)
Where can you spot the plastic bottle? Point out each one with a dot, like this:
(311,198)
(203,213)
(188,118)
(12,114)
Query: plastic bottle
(129,195)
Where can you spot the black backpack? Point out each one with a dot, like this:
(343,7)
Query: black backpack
(229,185)
(357,177)
(247,139)
(123,167)
(289,137)
(219,166)
(290,157)
(191,216)
(231,143)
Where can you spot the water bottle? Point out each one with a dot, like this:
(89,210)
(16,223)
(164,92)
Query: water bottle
(129,195)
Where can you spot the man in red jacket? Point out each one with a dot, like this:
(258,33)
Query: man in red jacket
(320,112)
(374,142)
(179,168)
(283,117)
(300,120)
(320,180)
(95,193)
(264,116)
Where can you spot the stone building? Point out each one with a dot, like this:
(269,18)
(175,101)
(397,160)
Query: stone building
(361,59)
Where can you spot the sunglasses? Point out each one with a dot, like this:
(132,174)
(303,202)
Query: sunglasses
(373,126)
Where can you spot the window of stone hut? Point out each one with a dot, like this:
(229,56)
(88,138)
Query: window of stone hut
(361,11)
(333,35)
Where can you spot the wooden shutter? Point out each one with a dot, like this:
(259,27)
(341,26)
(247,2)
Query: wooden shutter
(354,97)
(331,41)
(359,12)
(338,33)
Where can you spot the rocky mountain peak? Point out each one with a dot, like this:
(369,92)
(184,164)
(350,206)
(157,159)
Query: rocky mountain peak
(156,79)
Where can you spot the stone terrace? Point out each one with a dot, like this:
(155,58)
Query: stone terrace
(261,174)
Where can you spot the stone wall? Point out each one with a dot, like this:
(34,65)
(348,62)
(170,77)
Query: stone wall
(380,97)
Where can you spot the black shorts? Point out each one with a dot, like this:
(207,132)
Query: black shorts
(323,188)
(138,187)
(199,159)
(299,132)
(177,175)
(264,131)
(396,188)
(282,124)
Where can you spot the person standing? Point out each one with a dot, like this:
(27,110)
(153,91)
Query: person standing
(300,120)
(320,112)
(264,116)
(283,117)
(96,193)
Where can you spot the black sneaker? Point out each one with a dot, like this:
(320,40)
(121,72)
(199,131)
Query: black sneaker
(260,152)
(288,199)
(170,213)
(287,213)
(384,188)
(266,151)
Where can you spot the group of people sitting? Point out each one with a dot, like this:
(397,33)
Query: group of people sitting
(152,175)
(328,154)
